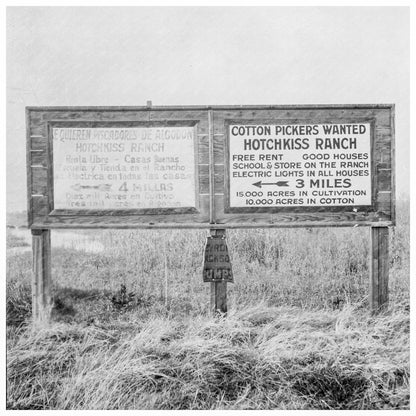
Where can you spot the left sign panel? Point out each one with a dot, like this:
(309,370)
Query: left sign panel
(116,168)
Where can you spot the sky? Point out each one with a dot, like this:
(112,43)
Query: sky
(87,56)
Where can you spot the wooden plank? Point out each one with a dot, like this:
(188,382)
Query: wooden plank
(203,149)
(382,152)
(218,298)
(384,179)
(379,268)
(383,116)
(201,116)
(203,173)
(39,181)
(121,123)
(385,165)
(199,222)
(215,107)
(40,188)
(41,276)
(384,203)
(42,220)
(37,131)
(37,125)
(211,168)
(204,179)
(38,143)
(40,207)
(96,116)
(219,179)
(85,223)
(219,145)
(83,219)
(153,212)
(36,117)
(393,165)
(28,170)
(39,158)
(383,134)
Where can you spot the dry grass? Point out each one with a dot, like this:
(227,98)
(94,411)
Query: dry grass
(298,334)
(13,241)
(261,358)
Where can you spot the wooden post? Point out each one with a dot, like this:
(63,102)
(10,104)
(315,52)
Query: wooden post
(218,289)
(41,276)
(166,271)
(379,268)
(218,302)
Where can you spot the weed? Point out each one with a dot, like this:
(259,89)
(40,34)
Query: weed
(13,241)
(19,302)
(331,388)
(121,299)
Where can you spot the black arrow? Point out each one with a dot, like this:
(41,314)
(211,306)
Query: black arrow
(101,187)
(281,183)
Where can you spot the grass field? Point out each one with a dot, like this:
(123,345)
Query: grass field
(127,335)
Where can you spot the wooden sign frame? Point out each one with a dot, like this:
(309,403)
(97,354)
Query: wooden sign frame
(212,209)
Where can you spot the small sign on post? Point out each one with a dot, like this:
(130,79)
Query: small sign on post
(217,264)
(217,269)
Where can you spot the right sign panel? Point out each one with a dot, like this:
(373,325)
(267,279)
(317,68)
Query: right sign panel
(280,166)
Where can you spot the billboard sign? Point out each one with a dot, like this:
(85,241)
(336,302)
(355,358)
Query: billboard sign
(300,165)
